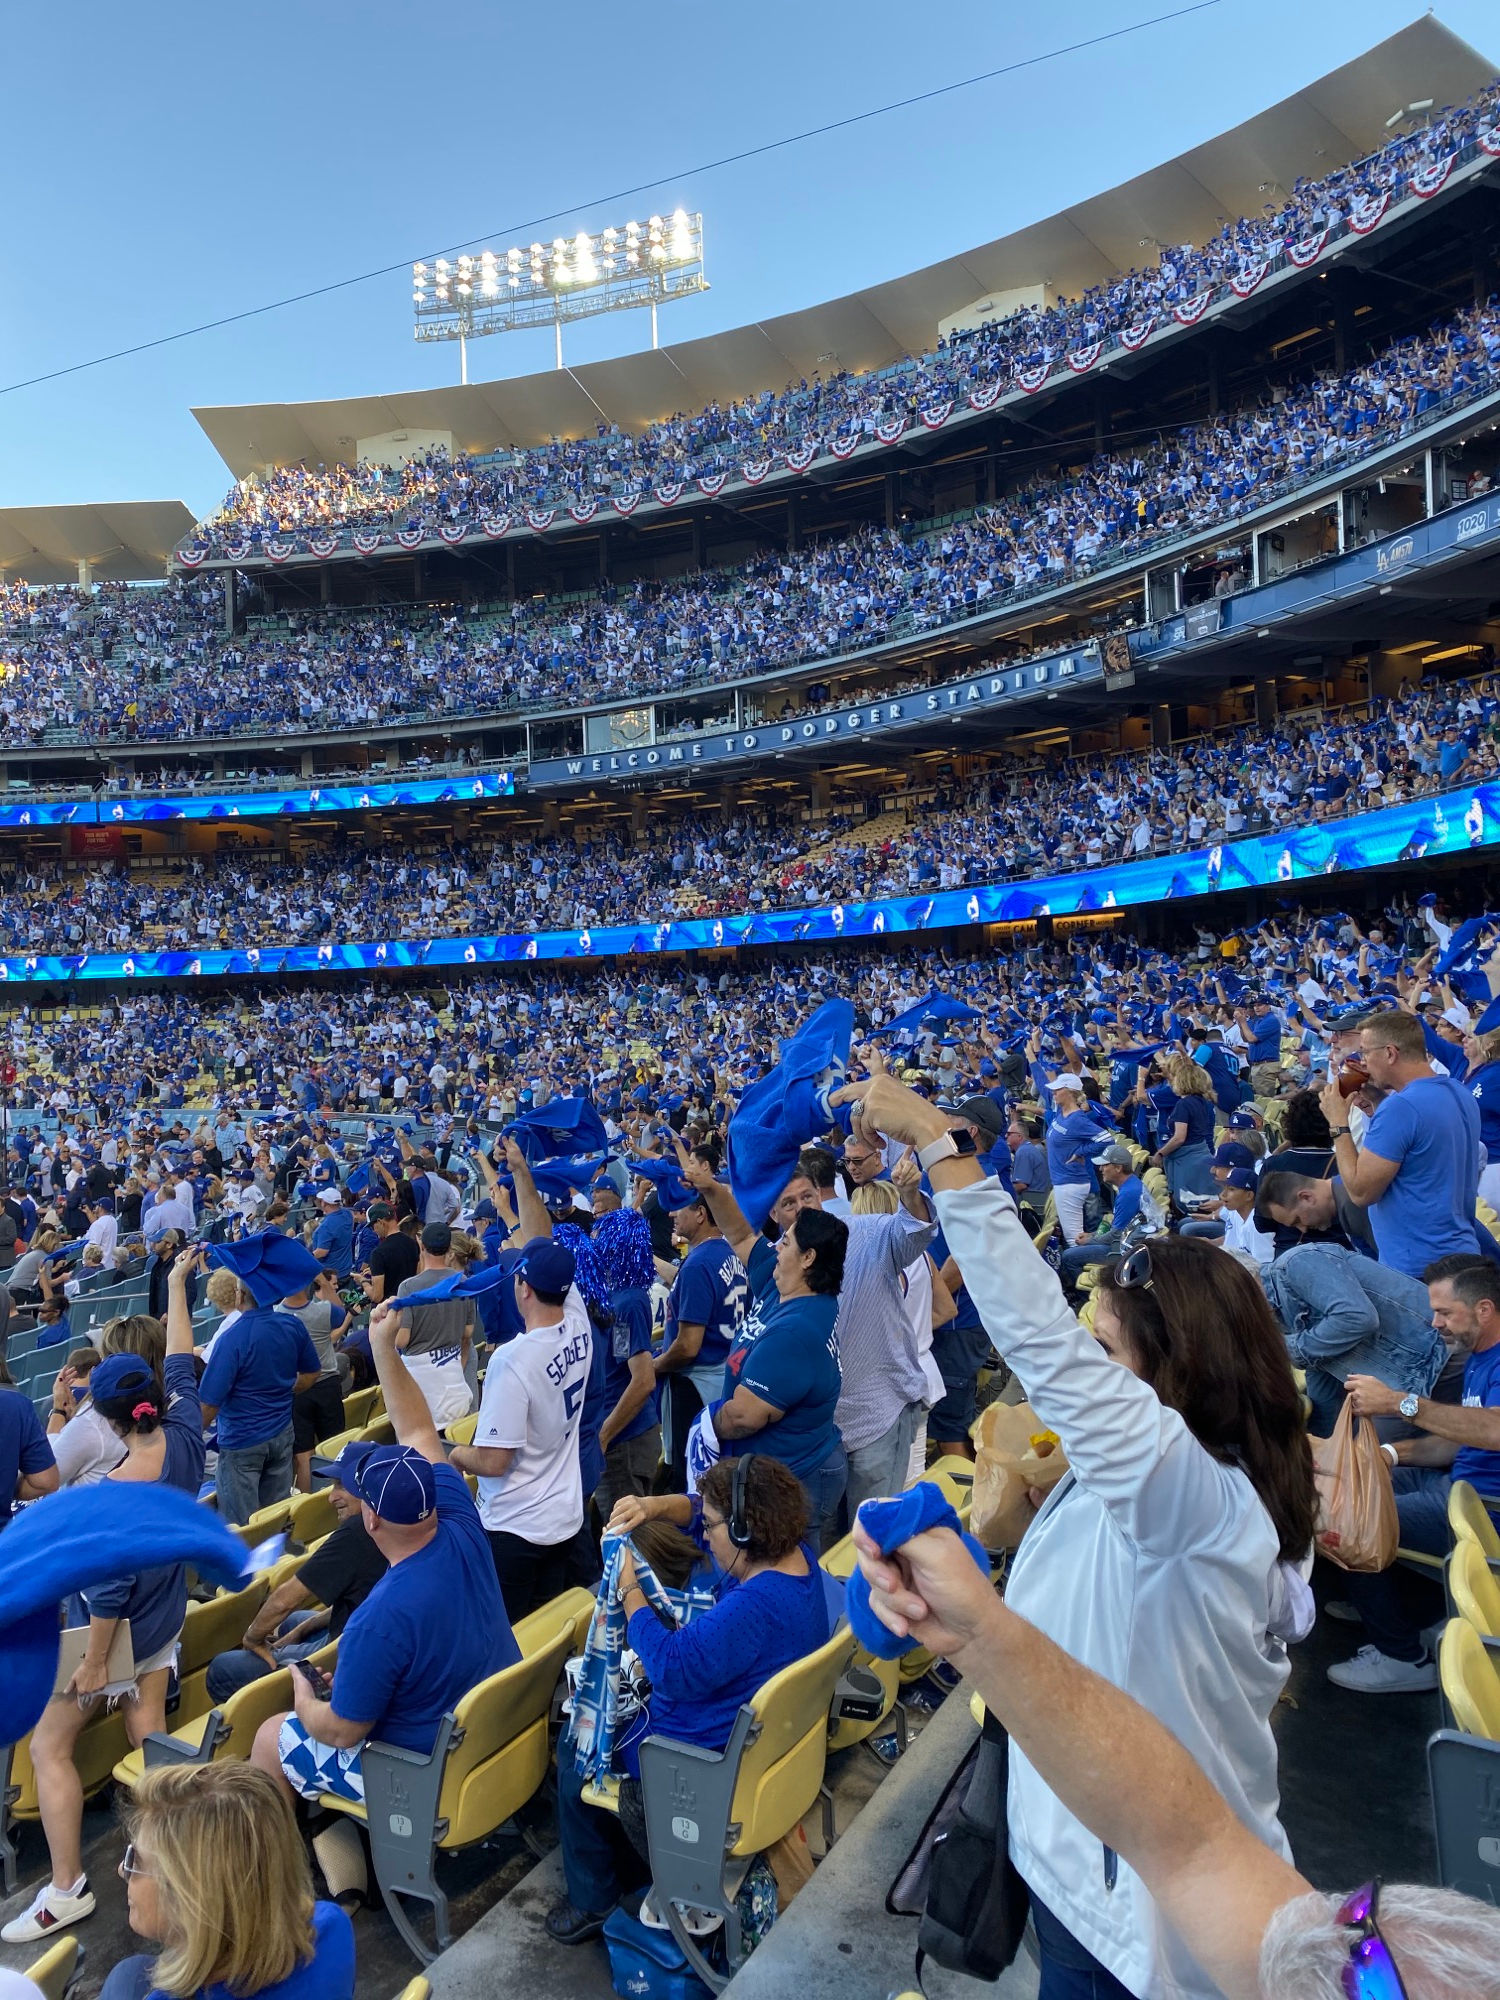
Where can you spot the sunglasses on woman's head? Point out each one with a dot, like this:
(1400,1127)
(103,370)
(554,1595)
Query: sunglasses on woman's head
(1133,1272)
(1371,1972)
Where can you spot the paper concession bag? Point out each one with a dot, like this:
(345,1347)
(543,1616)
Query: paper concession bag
(1357,1524)
(1015,1453)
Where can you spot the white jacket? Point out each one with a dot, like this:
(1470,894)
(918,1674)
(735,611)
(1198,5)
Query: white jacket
(1153,1564)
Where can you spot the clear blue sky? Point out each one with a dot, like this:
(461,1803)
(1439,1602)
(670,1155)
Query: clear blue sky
(165,166)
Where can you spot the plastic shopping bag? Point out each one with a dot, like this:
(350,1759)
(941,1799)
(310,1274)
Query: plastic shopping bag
(1357,1524)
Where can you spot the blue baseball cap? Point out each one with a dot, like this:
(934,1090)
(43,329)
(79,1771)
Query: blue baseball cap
(1243,1121)
(546,1266)
(120,1376)
(394,1481)
(1232,1154)
(1241,1177)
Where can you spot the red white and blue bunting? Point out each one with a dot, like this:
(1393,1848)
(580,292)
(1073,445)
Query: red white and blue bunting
(1309,250)
(1364,214)
(1426,182)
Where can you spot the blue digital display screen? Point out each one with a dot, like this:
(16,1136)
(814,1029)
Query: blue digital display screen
(1450,824)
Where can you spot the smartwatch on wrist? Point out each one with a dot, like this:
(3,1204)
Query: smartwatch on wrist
(951,1146)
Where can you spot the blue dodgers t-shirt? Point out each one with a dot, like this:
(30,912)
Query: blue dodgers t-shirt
(1431,1130)
(1070,1144)
(334,1236)
(23,1446)
(630,1335)
(794,1366)
(327,1975)
(155,1600)
(432,1628)
(250,1375)
(1481,1392)
(711,1291)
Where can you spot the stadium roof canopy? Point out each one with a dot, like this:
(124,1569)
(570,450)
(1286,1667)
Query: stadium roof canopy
(1340,117)
(123,542)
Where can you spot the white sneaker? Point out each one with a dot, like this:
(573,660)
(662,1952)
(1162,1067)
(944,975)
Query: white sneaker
(52,1909)
(1374,1672)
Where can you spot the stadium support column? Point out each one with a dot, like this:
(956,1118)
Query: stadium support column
(1267,703)
(231,603)
(1390,672)
(638,816)
(325,585)
(510,571)
(818,792)
(793,522)
(697,553)
(85,574)
(892,498)
(1484,270)
(604,555)
(1161,726)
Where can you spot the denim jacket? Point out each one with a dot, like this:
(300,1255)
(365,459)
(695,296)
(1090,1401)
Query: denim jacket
(1347,1315)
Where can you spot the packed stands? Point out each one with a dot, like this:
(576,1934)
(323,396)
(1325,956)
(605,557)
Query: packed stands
(1009,823)
(431,491)
(159,669)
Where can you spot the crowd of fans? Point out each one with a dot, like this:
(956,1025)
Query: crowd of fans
(1012,821)
(433,490)
(159,665)
(1270,1147)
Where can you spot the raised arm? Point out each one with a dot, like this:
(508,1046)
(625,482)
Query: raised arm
(179,1312)
(1122,1442)
(719,1201)
(405,1404)
(1110,1763)
(531,1210)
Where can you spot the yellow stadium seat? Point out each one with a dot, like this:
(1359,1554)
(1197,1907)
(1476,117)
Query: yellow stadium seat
(265,1522)
(362,1406)
(491,1756)
(312,1517)
(416,1989)
(706,1812)
(1470,1520)
(211,1627)
(53,1973)
(1471,1680)
(1475,1589)
(99,1748)
(462,1431)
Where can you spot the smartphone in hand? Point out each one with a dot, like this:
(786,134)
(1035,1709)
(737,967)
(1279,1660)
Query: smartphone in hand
(316,1679)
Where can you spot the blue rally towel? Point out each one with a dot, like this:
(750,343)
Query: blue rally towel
(271,1266)
(672,1191)
(778,1115)
(603,1698)
(889,1523)
(84,1536)
(563,1125)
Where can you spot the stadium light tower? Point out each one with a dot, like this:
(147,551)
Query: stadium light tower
(573,277)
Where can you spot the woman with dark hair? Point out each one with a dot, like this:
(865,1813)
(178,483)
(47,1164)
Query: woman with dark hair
(772,1610)
(1166,1560)
(158,1418)
(782,1378)
(1303,1126)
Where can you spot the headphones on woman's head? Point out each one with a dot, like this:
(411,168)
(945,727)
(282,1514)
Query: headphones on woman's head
(738,1525)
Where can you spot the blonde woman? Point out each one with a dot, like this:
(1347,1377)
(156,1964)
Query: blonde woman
(217,1877)
(1187,1151)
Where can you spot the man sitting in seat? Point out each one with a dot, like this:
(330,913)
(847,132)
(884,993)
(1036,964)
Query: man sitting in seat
(433,1627)
(308,1609)
(1462,1441)
(772,1610)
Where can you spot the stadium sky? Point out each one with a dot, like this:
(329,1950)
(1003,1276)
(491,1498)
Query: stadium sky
(167,167)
